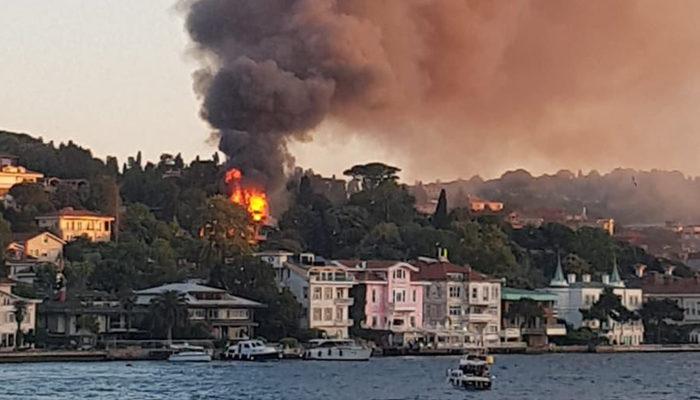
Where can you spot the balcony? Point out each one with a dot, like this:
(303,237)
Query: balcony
(332,279)
(344,301)
(556,330)
(479,318)
(510,333)
(401,307)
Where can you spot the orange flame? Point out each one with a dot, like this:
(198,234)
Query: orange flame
(252,199)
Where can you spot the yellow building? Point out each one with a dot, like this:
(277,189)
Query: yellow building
(70,224)
(12,174)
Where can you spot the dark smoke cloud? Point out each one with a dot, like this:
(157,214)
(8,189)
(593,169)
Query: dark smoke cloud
(459,86)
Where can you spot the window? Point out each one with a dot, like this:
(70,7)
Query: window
(399,296)
(455,311)
(374,321)
(414,295)
(305,291)
(328,314)
(327,293)
(317,293)
(485,293)
(455,291)
(316,314)
(475,293)
(340,293)
(399,274)
(413,321)
(339,313)
(374,295)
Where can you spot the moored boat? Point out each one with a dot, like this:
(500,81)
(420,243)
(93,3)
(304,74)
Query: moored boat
(336,350)
(473,373)
(189,353)
(252,350)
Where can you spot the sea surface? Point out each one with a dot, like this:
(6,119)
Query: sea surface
(561,376)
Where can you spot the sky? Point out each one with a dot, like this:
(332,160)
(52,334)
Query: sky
(461,88)
(116,76)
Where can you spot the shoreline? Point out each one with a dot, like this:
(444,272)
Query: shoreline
(117,355)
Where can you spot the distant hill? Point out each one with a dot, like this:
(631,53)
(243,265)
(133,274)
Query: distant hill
(67,160)
(628,195)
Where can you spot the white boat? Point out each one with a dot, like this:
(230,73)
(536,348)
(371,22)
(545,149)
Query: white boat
(473,373)
(189,353)
(336,350)
(252,350)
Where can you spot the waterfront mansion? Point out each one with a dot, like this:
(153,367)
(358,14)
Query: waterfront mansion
(573,296)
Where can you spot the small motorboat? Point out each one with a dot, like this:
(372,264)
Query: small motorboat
(252,350)
(189,353)
(336,350)
(473,373)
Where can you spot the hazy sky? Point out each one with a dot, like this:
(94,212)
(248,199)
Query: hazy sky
(473,87)
(113,76)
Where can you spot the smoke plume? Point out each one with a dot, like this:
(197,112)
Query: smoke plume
(458,86)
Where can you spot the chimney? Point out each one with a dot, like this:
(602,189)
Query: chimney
(639,270)
(606,279)
(571,278)
(586,278)
(442,255)
(668,270)
(363,265)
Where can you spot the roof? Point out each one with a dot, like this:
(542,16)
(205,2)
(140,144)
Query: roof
(144,296)
(558,280)
(664,284)
(24,236)
(180,287)
(70,212)
(512,294)
(437,271)
(374,264)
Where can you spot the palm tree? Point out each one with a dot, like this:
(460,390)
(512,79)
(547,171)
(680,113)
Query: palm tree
(128,302)
(20,312)
(168,309)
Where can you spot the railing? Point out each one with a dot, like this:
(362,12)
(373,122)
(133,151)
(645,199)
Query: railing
(344,301)
(331,279)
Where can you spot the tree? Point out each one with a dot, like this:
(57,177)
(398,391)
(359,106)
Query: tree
(250,277)
(226,230)
(383,242)
(5,239)
(656,315)
(608,307)
(524,312)
(387,202)
(373,174)
(168,311)
(440,218)
(20,307)
(89,323)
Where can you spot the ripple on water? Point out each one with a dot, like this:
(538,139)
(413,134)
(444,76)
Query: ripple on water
(556,377)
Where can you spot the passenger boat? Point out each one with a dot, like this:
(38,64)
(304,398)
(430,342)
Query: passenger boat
(473,373)
(252,350)
(336,350)
(189,353)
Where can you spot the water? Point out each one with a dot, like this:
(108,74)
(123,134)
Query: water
(565,376)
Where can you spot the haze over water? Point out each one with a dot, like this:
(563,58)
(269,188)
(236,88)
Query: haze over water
(556,377)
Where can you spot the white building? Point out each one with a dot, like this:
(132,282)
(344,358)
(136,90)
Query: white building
(322,288)
(461,307)
(8,324)
(573,296)
(230,317)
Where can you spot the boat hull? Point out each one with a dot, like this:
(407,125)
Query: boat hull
(338,354)
(189,358)
(256,357)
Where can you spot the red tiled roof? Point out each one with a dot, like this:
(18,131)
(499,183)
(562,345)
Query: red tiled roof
(70,212)
(365,276)
(437,271)
(371,264)
(661,284)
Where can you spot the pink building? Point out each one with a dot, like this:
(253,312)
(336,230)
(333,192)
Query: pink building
(393,296)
